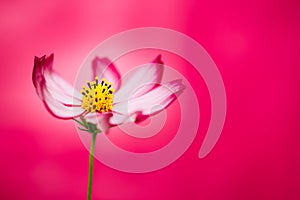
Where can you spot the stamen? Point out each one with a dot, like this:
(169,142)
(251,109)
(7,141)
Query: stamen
(89,84)
(97,97)
(82,92)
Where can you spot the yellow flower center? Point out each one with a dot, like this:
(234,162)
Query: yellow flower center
(97,96)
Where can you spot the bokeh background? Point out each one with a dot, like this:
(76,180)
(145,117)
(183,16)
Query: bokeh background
(256,47)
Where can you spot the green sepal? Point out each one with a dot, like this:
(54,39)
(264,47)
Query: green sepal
(89,127)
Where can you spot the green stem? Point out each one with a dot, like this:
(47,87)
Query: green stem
(91,163)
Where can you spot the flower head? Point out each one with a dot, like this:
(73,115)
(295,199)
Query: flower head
(97,97)
(107,100)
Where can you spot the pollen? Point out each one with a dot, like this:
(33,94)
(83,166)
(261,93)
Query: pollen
(97,96)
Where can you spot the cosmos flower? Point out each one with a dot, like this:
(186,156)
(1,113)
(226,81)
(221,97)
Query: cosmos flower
(107,100)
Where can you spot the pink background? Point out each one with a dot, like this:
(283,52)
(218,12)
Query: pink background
(256,48)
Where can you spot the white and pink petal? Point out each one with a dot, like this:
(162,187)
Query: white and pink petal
(104,68)
(147,76)
(137,109)
(157,99)
(56,93)
(58,109)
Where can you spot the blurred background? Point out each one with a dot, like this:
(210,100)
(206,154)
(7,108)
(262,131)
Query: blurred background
(256,48)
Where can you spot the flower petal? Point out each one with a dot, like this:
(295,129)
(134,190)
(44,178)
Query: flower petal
(104,68)
(61,90)
(55,92)
(117,118)
(58,109)
(137,109)
(162,95)
(145,76)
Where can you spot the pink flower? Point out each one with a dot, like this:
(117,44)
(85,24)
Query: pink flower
(107,100)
